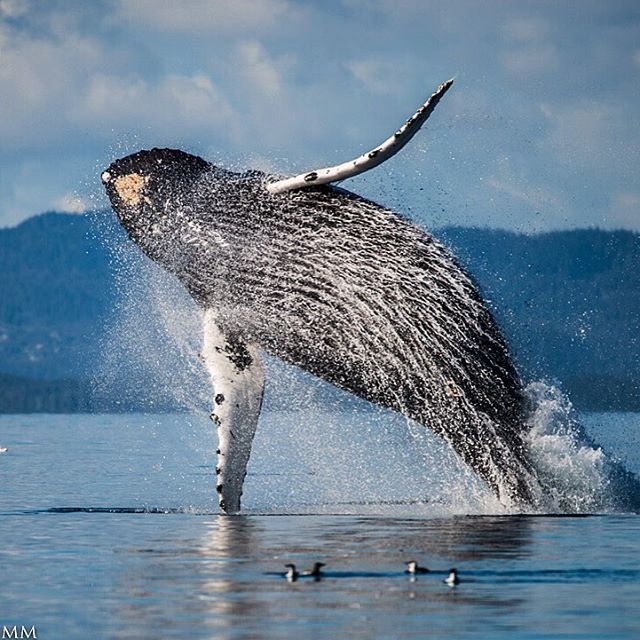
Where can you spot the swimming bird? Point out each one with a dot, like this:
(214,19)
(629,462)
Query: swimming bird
(291,575)
(452,579)
(315,571)
(413,568)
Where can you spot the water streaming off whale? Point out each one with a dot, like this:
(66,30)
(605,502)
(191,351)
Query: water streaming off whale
(377,307)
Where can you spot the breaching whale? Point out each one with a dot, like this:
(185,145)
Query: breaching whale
(334,284)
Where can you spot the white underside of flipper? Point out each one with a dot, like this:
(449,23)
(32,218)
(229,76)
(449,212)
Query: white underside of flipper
(237,376)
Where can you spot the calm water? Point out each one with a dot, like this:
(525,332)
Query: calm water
(108,528)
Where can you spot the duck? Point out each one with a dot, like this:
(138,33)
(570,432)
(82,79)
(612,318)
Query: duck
(292,574)
(414,568)
(452,579)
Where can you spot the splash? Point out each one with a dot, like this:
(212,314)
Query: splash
(152,339)
(576,474)
(571,470)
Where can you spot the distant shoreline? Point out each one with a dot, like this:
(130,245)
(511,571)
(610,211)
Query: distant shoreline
(20,395)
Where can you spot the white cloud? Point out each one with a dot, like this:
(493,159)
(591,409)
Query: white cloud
(264,74)
(13,8)
(213,16)
(526,29)
(530,59)
(309,83)
(536,197)
(584,133)
(175,105)
(624,212)
(70,203)
(378,75)
(531,51)
(38,79)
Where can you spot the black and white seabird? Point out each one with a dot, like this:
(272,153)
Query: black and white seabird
(452,579)
(315,571)
(414,568)
(291,575)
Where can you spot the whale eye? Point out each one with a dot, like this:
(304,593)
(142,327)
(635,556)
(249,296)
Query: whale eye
(105,177)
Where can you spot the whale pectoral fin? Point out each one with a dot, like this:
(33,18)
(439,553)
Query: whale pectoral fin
(237,375)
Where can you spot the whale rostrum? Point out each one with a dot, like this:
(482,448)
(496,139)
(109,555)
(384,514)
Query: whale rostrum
(337,285)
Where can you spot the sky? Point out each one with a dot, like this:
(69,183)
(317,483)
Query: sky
(540,131)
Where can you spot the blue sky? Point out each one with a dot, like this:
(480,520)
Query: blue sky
(541,129)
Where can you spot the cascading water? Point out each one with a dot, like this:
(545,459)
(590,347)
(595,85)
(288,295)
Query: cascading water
(576,473)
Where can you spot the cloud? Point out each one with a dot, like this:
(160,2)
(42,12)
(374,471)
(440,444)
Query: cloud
(378,75)
(13,8)
(525,29)
(39,76)
(531,52)
(624,211)
(70,203)
(528,60)
(535,197)
(300,84)
(583,133)
(174,106)
(209,16)
(55,90)
(513,181)
(263,73)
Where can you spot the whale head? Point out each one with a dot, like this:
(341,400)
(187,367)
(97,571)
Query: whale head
(151,189)
(176,207)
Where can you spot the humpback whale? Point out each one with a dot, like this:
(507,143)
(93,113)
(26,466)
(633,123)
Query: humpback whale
(337,285)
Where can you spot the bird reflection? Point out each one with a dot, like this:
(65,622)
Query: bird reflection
(458,537)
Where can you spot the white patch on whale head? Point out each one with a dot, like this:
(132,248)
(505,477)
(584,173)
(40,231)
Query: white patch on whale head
(130,188)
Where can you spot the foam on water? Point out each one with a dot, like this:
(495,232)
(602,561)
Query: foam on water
(577,474)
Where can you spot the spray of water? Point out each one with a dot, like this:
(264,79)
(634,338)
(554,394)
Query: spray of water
(150,349)
(572,470)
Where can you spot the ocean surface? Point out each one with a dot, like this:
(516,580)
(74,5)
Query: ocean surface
(109,529)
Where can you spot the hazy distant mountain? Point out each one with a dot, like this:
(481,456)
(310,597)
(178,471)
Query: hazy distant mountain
(569,303)
(55,289)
